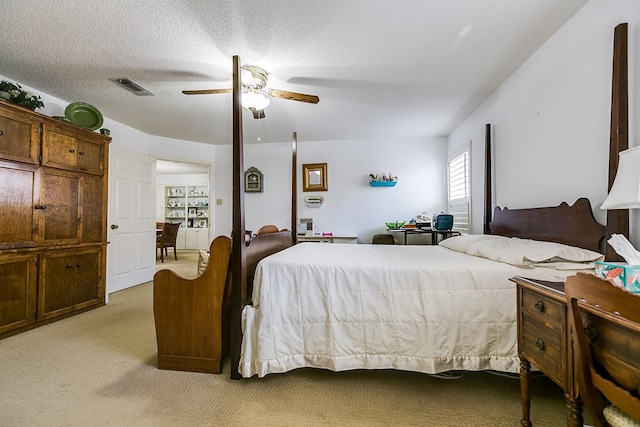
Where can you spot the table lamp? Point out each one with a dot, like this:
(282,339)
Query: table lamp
(625,192)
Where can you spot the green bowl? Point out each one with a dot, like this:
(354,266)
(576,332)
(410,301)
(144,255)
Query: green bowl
(394,225)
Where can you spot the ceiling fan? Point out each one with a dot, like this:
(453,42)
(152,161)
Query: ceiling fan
(255,92)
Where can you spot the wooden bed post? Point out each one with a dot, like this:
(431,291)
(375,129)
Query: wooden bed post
(294,188)
(618,219)
(238,256)
(488,202)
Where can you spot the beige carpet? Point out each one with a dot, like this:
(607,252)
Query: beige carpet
(98,369)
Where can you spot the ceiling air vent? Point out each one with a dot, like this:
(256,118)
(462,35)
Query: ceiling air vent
(133,87)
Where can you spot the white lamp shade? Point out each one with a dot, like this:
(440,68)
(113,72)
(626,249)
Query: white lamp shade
(625,192)
(254,101)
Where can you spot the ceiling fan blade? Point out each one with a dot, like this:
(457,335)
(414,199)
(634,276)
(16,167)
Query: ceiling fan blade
(205,91)
(276,93)
(258,114)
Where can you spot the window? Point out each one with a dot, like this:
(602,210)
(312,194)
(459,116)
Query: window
(459,185)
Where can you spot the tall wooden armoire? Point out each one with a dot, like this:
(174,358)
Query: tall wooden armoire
(53,213)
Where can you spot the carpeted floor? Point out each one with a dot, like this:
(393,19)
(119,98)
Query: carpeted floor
(98,369)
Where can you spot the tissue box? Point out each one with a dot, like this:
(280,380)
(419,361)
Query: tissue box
(627,276)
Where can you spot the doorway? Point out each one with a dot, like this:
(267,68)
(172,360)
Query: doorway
(183,195)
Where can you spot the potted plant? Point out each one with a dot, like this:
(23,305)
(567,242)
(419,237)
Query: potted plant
(18,96)
(26,99)
(6,87)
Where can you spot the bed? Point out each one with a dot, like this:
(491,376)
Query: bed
(419,308)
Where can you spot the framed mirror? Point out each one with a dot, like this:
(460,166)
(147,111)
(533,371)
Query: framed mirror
(314,177)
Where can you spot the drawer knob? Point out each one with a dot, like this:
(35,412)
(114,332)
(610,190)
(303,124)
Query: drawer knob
(540,306)
(540,344)
(68,266)
(592,331)
(1,133)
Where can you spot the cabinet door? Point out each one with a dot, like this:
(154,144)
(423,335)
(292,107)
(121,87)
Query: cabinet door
(17,291)
(70,149)
(16,205)
(90,155)
(69,208)
(191,239)
(69,280)
(93,206)
(19,136)
(197,239)
(57,207)
(181,240)
(87,289)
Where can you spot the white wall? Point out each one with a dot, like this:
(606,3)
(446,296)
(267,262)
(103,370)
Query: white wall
(123,136)
(551,117)
(351,206)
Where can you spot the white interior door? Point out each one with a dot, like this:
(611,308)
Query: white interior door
(131,219)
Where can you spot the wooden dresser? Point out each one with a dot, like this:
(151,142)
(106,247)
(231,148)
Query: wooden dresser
(544,341)
(53,213)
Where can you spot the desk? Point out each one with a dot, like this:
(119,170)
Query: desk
(434,233)
(544,340)
(336,238)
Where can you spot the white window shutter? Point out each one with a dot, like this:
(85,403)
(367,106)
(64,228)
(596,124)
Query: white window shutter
(459,194)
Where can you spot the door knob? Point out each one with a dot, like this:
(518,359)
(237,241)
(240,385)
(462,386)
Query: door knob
(114,226)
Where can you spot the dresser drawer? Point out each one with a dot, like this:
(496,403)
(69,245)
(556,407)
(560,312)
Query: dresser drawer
(542,308)
(543,346)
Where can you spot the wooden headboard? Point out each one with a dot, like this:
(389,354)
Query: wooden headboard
(572,225)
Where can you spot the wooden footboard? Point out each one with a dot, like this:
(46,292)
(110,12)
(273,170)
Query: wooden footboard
(192,316)
(261,246)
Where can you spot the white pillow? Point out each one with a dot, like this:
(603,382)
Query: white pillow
(517,251)
(203,261)
(524,252)
(461,243)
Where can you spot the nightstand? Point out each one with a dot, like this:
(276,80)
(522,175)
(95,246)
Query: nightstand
(544,341)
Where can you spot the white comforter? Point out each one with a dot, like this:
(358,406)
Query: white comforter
(417,308)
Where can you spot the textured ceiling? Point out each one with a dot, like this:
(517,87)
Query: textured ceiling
(382,69)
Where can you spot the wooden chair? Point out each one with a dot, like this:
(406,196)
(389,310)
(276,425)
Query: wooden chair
(192,317)
(605,320)
(167,239)
(266,229)
(383,239)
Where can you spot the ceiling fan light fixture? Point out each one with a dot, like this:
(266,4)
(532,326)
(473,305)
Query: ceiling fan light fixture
(253,77)
(254,101)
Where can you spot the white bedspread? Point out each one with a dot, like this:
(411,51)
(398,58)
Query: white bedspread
(417,308)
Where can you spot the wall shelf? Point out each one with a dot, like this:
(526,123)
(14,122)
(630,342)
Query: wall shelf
(383,183)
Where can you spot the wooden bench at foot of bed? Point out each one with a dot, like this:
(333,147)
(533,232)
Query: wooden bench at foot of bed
(192,316)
